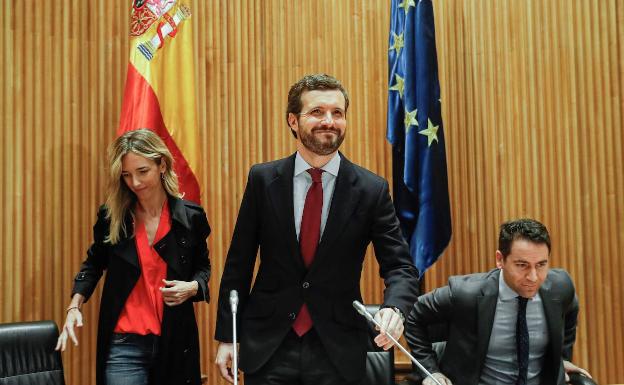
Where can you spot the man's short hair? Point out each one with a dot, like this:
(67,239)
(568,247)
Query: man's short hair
(525,228)
(311,83)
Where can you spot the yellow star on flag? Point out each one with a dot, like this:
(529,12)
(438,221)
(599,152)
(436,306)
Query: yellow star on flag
(410,120)
(398,43)
(399,85)
(406,4)
(431,132)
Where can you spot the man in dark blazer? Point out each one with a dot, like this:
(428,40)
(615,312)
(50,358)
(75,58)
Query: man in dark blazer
(312,215)
(485,318)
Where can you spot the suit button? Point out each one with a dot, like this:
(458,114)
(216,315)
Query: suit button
(183,241)
(183,259)
(306,285)
(186,351)
(292,316)
(188,381)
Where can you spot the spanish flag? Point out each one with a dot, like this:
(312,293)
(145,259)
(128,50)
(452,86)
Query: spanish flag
(160,86)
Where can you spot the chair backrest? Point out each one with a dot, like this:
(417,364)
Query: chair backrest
(27,355)
(379,362)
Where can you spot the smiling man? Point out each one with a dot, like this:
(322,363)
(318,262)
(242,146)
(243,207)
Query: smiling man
(513,325)
(312,215)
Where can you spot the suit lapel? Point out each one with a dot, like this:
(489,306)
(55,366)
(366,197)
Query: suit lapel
(552,313)
(178,213)
(343,203)
(485,317)
(167,247)
(126,247)
(281,197)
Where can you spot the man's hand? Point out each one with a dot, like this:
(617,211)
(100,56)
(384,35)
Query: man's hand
(569,367)
(442,379)
(225,353)
(176,292)
(391,323)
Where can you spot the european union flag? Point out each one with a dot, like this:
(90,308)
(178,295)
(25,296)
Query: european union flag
(415,132)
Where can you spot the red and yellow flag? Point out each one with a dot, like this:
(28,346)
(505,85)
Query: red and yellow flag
(160,86)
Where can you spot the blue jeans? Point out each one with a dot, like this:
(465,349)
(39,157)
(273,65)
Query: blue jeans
(130,359)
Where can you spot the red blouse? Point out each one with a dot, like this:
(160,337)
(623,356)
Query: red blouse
(143,311)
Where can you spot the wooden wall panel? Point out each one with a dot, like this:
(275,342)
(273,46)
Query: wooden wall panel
(532,94)
(532,97)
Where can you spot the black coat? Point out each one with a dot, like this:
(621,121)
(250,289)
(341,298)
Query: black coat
(361,211)
(186,254)
(462,314)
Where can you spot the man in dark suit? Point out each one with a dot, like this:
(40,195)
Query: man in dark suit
(312,215)
(513,325)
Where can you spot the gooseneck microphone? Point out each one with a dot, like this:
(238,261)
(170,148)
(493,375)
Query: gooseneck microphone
(362,310)
(234,308)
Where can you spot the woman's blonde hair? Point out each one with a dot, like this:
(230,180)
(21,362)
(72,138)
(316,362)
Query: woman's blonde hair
(120,199)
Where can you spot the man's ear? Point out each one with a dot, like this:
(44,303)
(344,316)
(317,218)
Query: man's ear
(293,122)
(499,259)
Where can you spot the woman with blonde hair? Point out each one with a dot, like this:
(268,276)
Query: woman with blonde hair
(152,245)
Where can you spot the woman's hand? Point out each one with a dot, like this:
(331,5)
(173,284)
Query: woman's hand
(176,292)
(73,319)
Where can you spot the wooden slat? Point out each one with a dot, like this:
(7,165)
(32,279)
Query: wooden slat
(532,96)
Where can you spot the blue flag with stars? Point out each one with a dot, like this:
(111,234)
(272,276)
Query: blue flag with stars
(415,131)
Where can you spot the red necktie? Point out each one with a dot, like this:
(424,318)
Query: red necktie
(309,235)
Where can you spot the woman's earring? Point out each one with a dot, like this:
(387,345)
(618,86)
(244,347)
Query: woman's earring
(162,175)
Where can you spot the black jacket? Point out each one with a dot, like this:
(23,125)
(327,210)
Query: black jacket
(462,314)
(361,211)
(186,254)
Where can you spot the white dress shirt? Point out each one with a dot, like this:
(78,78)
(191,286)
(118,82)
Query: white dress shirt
(501,362)
(302,180)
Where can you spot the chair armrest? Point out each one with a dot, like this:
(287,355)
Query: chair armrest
(579,379)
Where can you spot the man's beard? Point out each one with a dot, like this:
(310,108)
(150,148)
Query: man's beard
(318,146)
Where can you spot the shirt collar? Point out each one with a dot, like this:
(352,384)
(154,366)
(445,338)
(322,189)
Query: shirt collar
(331,167)
(506,293)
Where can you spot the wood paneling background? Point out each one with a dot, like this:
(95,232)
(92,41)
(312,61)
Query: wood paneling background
(532,94)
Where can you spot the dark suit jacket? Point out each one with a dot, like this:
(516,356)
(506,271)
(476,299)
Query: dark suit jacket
(361,211)
(185,252)
(462,314)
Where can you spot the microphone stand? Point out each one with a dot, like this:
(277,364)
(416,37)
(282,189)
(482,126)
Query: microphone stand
(234,308)
(362,310)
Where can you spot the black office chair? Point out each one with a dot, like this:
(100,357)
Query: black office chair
(27,355)
(379,362)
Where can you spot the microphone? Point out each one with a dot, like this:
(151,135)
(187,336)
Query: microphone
(234,308)
(234,301)
(362,310)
